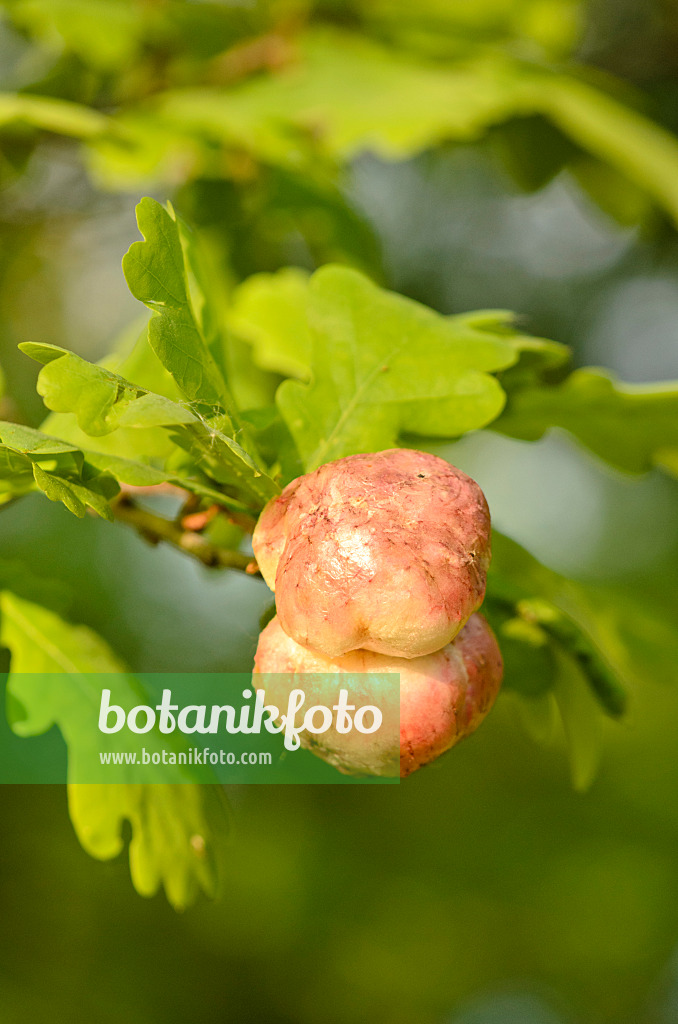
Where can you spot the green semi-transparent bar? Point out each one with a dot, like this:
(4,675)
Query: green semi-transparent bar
(208,728)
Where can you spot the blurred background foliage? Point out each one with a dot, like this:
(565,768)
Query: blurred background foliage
(452,149)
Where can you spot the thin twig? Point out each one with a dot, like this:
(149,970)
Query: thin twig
(243,520)
(155,529)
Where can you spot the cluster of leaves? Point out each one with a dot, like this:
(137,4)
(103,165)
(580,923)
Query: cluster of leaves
(232,399)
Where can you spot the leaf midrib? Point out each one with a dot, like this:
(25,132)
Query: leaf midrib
(357,395)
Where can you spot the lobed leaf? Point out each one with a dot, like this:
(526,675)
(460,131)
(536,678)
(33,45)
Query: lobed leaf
(75,496)
(156,274)
(29,458)
(177,830)
(104,402)
(383,365)
(161,273)
(101,400)
(288,317)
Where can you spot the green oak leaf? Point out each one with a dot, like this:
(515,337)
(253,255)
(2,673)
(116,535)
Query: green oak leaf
(348,94)
(29,457)
(378,360)
(164,272)
(132,357)
(177,830)
(271,311)
(223,459)
(139,474)
(104,402)
(75,496)
(632,426)
(135,455)
(157,275)
(281,314)
(21,447)
(28,441)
